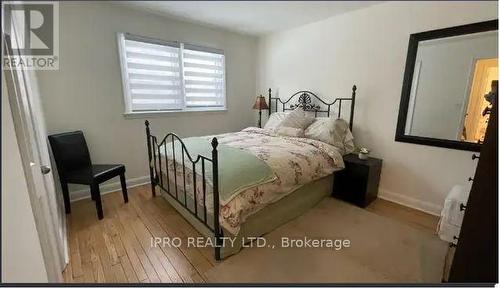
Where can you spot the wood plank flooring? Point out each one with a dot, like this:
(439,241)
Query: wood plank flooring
(118,248)
(412,217)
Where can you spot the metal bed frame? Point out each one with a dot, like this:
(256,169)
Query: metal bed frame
(306,102)
(155,161)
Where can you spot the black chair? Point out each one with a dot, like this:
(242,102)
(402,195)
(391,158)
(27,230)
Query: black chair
(73,163)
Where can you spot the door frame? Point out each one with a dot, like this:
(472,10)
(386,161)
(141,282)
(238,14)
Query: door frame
(18,92)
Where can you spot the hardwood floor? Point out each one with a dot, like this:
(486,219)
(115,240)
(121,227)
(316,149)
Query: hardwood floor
(118,248)
(412,217)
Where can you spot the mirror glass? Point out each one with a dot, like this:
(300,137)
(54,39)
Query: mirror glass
(453,81)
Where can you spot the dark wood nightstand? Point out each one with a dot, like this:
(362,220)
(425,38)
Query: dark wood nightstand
(358,182)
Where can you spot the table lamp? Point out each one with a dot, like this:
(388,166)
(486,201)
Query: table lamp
(260,104)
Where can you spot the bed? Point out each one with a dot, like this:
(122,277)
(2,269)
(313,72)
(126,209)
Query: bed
(255,180)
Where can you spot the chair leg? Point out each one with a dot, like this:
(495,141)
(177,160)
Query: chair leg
(67,204)
(124,187)
(97,196)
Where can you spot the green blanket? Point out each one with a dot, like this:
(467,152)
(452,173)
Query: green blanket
(238,169)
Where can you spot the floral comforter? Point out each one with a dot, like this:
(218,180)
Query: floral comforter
(294,161)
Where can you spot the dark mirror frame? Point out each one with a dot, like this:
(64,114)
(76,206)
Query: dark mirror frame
(408,78)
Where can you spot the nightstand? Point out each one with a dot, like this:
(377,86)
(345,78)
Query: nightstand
(358,182)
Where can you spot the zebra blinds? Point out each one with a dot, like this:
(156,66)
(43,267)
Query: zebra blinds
(160,75)
(204,79)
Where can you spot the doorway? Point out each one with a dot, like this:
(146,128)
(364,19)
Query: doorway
(476,122)
(29,125)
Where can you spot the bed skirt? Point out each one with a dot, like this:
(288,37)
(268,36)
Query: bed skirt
(268,218)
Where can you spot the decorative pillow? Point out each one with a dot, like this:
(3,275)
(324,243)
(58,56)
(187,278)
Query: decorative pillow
(298,118)
(332,131)
(275,120)
(290,131)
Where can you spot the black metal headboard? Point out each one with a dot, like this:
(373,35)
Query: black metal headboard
(307,103)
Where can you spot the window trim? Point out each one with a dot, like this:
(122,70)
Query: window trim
(127,98)
(154,113)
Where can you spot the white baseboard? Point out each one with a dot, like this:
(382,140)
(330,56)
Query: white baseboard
(108,188)
(410,202)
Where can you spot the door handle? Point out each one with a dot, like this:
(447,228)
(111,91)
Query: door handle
(45,169)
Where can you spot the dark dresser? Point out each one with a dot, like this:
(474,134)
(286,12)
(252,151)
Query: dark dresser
(476,256)
(358,182)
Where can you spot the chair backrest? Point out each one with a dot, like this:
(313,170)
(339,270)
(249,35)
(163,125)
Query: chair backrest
(70,151)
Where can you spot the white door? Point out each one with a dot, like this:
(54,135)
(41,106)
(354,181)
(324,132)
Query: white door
(30,129)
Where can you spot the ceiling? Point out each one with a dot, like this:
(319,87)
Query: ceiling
(249,17)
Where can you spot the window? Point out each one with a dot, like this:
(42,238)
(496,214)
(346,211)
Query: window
(170,76)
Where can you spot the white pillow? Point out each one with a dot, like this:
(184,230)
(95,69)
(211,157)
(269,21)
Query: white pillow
(298,118)
(275,120)
(332,131)
(290,131)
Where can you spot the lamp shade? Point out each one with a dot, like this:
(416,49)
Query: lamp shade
(260,103)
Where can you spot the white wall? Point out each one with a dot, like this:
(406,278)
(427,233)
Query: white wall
(86,92)
(22,259)
(368,47)
(443,88)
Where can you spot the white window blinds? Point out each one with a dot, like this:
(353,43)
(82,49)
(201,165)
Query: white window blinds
(162,76)
(203,77)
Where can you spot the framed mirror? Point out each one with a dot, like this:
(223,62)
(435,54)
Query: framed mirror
(450,82)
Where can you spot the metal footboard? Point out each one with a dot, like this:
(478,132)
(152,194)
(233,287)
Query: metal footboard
(155,149)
